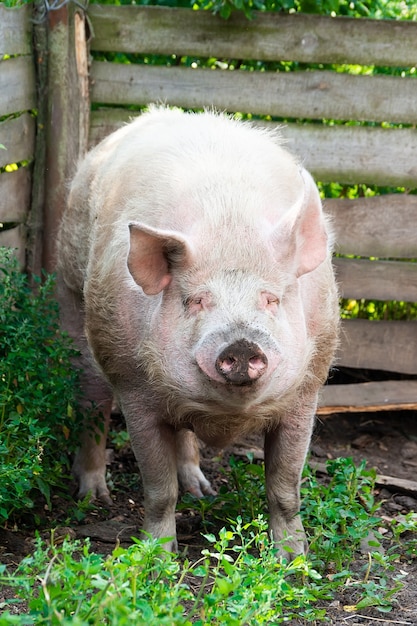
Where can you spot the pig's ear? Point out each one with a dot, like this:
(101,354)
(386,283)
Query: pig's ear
(152,255)
(305,228)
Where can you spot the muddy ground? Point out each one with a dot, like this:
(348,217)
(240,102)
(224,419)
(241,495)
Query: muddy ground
(387,440)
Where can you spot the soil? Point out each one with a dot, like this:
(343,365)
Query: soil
(388,441)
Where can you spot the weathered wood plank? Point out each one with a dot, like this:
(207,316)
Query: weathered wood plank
(374,396)
(377,280)
(267,37)
(15,30)
(15,190)
(105,121)
(17,85)
(347,154)
(344,154)
(308,95)
(381,226)
(15,238)
(67,115)
(18,136)
(388,346)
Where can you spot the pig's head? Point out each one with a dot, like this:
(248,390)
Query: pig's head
(230,318)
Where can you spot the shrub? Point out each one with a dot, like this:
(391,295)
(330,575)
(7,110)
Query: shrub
(37,390)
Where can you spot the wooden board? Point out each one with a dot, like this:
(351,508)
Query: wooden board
(377,280)
(344,154)
(15,190)
(373,396)
(17,85)
(348,154)
(381,226)
(18,136)
(267,37)
(15,238)
(66,117)
(106,120)
(15,30)
(308,95)
(380,345)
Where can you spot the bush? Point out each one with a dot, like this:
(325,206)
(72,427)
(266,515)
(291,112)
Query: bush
(37,390)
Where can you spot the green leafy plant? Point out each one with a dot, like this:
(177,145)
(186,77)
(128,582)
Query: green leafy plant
(243,495)
(340,512)
(239,578)
(404,529)
(38,390)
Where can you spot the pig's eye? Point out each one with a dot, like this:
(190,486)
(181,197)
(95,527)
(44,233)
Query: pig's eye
(270,302)
(202,301)
(194,304)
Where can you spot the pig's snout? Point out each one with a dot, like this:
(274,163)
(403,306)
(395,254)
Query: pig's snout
(241,363)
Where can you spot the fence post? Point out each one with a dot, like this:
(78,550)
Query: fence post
(67,115)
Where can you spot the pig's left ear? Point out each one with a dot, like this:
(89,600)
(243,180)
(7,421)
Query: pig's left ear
(305,227)
(152,255)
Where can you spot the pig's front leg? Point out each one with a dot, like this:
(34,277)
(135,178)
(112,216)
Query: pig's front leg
(154,445)
(286,447)
(190,475)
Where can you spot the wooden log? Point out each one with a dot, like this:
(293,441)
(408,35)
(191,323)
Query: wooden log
(15,190)
(267,37)
(308,95)
(15,238)
(377,280)
(379,345)
(68,107)
(377,226)
(17,85)
(18,136)
(344,154)
(15,30)
(387,395)
(35,220)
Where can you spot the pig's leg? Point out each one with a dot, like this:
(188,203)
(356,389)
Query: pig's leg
(154,445)
(90,461)
(286,447)
(190,475)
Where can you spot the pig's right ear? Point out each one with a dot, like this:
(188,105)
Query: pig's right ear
(302,233)
(152,255)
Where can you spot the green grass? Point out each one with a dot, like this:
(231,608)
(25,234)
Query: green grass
(238,579)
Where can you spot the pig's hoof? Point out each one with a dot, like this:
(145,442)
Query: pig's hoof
(94,484)
(291,546)
(193,480)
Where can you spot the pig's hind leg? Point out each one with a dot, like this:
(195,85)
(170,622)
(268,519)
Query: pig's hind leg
(89,466)
(286,448)
(190,475)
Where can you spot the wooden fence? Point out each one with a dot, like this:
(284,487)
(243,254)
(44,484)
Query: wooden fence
(17,131)
(382,228)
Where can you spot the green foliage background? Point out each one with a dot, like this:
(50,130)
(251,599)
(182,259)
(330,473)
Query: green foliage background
(38,387)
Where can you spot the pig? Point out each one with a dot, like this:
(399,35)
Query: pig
(194,265)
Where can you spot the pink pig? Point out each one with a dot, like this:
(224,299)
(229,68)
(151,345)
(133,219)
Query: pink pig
(194,263)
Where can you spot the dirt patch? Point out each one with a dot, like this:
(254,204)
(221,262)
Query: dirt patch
(388,441)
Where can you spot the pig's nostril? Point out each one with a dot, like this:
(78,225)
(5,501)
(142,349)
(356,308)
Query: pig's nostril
(257,363)
(228,363)
(241,363)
